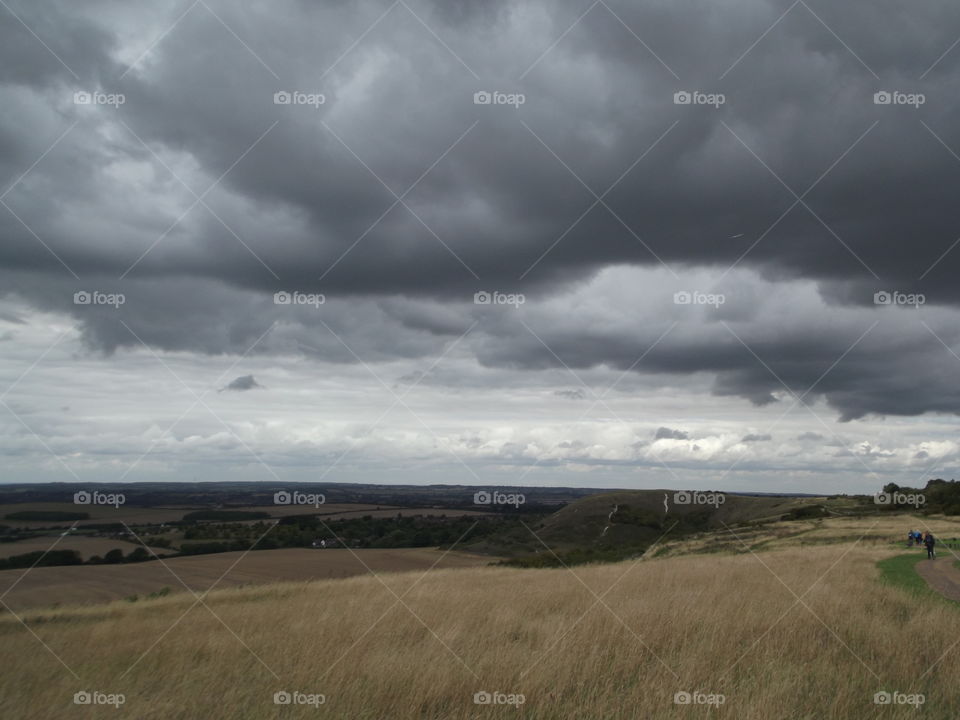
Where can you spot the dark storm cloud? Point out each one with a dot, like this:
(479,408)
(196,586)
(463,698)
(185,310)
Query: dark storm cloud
(665,433)
(302,197)
(766,437)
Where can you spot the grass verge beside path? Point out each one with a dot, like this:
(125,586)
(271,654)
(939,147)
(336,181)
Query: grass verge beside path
(901,571)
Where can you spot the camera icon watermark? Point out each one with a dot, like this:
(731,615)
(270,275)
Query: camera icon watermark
(298,298)
(83,497)
(499,98)
(898,698)
(95,697)
(894,297)
(295,97)
(495,497)
(498,698)
(695,97)
(83,97)
(896,97)
(683,697)
(95,297)
(686,297)
(295,697)
(284,497)
(484,297)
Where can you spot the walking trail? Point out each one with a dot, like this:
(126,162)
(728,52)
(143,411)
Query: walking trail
(941,575)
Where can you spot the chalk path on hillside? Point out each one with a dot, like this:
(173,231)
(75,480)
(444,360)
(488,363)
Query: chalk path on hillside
(941,575)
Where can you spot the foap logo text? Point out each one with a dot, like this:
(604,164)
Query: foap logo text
(295,97)
(495,497)
(899,498)
(894,297)
(683,697)
(299,298)
(94,497)
(498,698)
(898,698)
(83,97)
(95,697)
(695,97)
(484,297)
(284,497)
(693,497)
(695,297)
(95,297)
(296,697)
(496,97)
(896,97)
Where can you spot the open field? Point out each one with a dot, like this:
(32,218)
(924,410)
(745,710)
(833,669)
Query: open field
(788,634)
(47,586)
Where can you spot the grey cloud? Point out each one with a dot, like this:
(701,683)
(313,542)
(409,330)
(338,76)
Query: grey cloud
(499,210)
(242,383)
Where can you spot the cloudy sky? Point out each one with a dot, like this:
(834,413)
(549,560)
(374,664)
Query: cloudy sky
(618,244)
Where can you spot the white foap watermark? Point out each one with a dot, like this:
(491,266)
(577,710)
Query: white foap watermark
(894,297)
(498,698)
(283,497)
(896,97)
(496,97)
(295,97)
(898,698)
(696,697)
(83,97)
(298,298)
(496,497)
(685,297)
(95,497)
(95,697)
(695,97)
(899,498)
(692,497)
(484,297)
(95,297)
(295,697)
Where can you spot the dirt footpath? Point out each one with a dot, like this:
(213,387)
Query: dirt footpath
(942,575)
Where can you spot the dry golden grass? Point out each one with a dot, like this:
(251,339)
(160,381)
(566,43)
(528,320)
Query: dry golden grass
(716,623)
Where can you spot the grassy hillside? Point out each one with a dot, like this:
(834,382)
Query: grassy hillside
(622,524)
(610,641)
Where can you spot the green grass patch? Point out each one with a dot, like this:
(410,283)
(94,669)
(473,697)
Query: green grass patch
(901,571)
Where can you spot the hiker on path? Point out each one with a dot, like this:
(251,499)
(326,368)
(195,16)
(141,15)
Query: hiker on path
(929,542)
(910,539)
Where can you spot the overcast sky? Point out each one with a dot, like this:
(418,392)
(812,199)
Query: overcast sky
(617,244)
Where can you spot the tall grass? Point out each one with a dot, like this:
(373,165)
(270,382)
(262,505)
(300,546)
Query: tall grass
(726,625)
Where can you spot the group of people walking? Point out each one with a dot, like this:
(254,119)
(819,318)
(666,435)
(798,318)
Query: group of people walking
(925,539)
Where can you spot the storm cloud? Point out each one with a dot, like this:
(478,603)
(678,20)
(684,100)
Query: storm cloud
(628,196)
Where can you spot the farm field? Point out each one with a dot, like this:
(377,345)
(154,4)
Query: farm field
(48,586)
